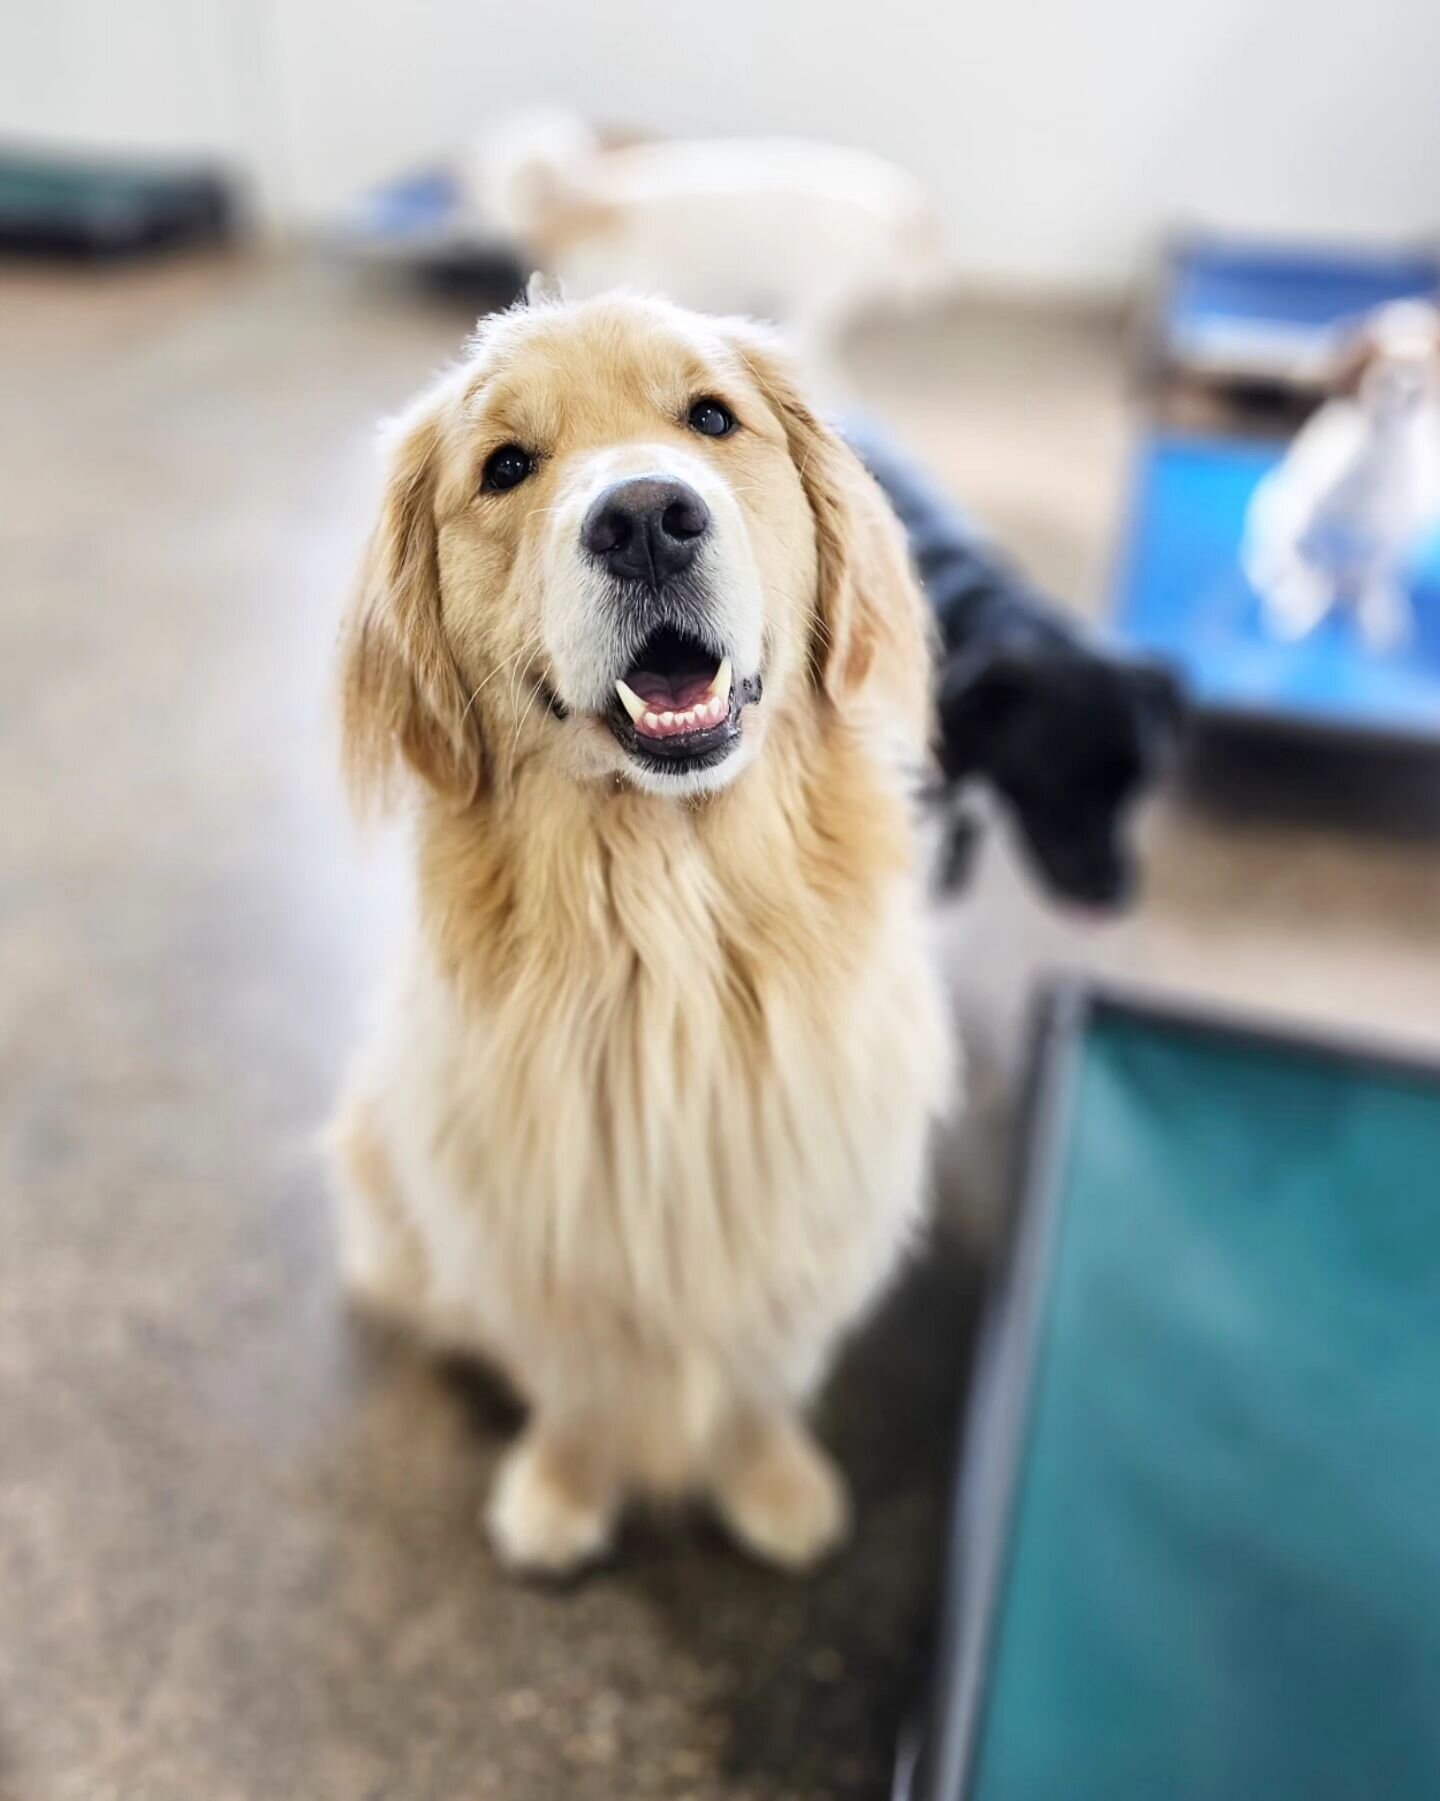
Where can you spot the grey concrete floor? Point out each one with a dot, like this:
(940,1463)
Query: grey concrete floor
(239,1558)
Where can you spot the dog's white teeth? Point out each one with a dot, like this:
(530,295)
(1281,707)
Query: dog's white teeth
(631,701)
(700,715)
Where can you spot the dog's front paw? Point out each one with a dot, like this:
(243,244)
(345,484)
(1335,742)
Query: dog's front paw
(548,1514)
(783,1499)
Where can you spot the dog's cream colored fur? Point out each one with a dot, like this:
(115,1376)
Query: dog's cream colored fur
(645,1117)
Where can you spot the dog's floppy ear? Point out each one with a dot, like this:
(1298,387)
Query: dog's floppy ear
(543,289)
(1350,356)
(402,698)
(1398,325)
(865,584)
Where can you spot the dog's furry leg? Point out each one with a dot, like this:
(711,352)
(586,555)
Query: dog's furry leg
(382,1263)
(778,1492)
(1384,612)
(555,1504)
(1296,598)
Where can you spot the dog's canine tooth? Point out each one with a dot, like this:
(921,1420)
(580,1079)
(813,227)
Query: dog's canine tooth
(631,701)
(719,689)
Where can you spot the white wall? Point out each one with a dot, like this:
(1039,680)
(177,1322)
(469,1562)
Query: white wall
(156,75)
(1059,136)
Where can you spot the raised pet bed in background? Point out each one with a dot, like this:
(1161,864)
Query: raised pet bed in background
(1195,1543)
(91,209)
(1181,594)
(1240,333)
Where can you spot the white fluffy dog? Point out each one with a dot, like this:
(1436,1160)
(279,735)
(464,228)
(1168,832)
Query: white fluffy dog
(1336,523)
(808,235)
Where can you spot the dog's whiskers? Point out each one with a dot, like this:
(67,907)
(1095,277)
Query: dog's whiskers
(518,671)
(520,723)
(499,669)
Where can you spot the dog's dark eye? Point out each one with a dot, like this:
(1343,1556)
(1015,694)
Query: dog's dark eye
(506,468)
(711,419)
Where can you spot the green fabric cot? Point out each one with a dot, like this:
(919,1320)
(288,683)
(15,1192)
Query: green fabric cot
(1223,1577)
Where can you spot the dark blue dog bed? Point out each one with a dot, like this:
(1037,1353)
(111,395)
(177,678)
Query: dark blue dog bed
(1181,595)
(418,222)
(1270,309)
(1197,1539)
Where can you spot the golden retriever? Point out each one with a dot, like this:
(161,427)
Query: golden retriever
(644,1119)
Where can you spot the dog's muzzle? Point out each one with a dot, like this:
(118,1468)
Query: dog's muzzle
(678,705)
(677,696)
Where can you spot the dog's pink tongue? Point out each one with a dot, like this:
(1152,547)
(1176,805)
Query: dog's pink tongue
(669,694)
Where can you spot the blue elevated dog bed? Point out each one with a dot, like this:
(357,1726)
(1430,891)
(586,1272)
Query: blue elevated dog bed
(420,222)
(1197,1540)
(1257,309)
(1180,594)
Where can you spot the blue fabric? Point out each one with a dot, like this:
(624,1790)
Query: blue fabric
(422,205)
(1181,595)
(1219,282)
(1225,1573)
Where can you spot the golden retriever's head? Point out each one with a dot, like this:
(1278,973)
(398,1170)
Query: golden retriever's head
(613,537)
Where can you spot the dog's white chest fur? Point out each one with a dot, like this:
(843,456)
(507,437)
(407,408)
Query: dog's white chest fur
(654,1134)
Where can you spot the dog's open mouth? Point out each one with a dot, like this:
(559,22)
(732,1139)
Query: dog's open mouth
(678,704)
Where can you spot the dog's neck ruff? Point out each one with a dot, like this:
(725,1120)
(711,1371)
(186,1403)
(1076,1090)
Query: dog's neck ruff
(786,872)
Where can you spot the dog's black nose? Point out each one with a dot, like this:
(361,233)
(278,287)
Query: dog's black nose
(646,529)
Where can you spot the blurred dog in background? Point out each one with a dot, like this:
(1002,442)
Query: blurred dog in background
(1066,732)
(1337,522)
(809,236)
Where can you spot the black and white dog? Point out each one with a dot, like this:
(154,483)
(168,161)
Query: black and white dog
(1066,732)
